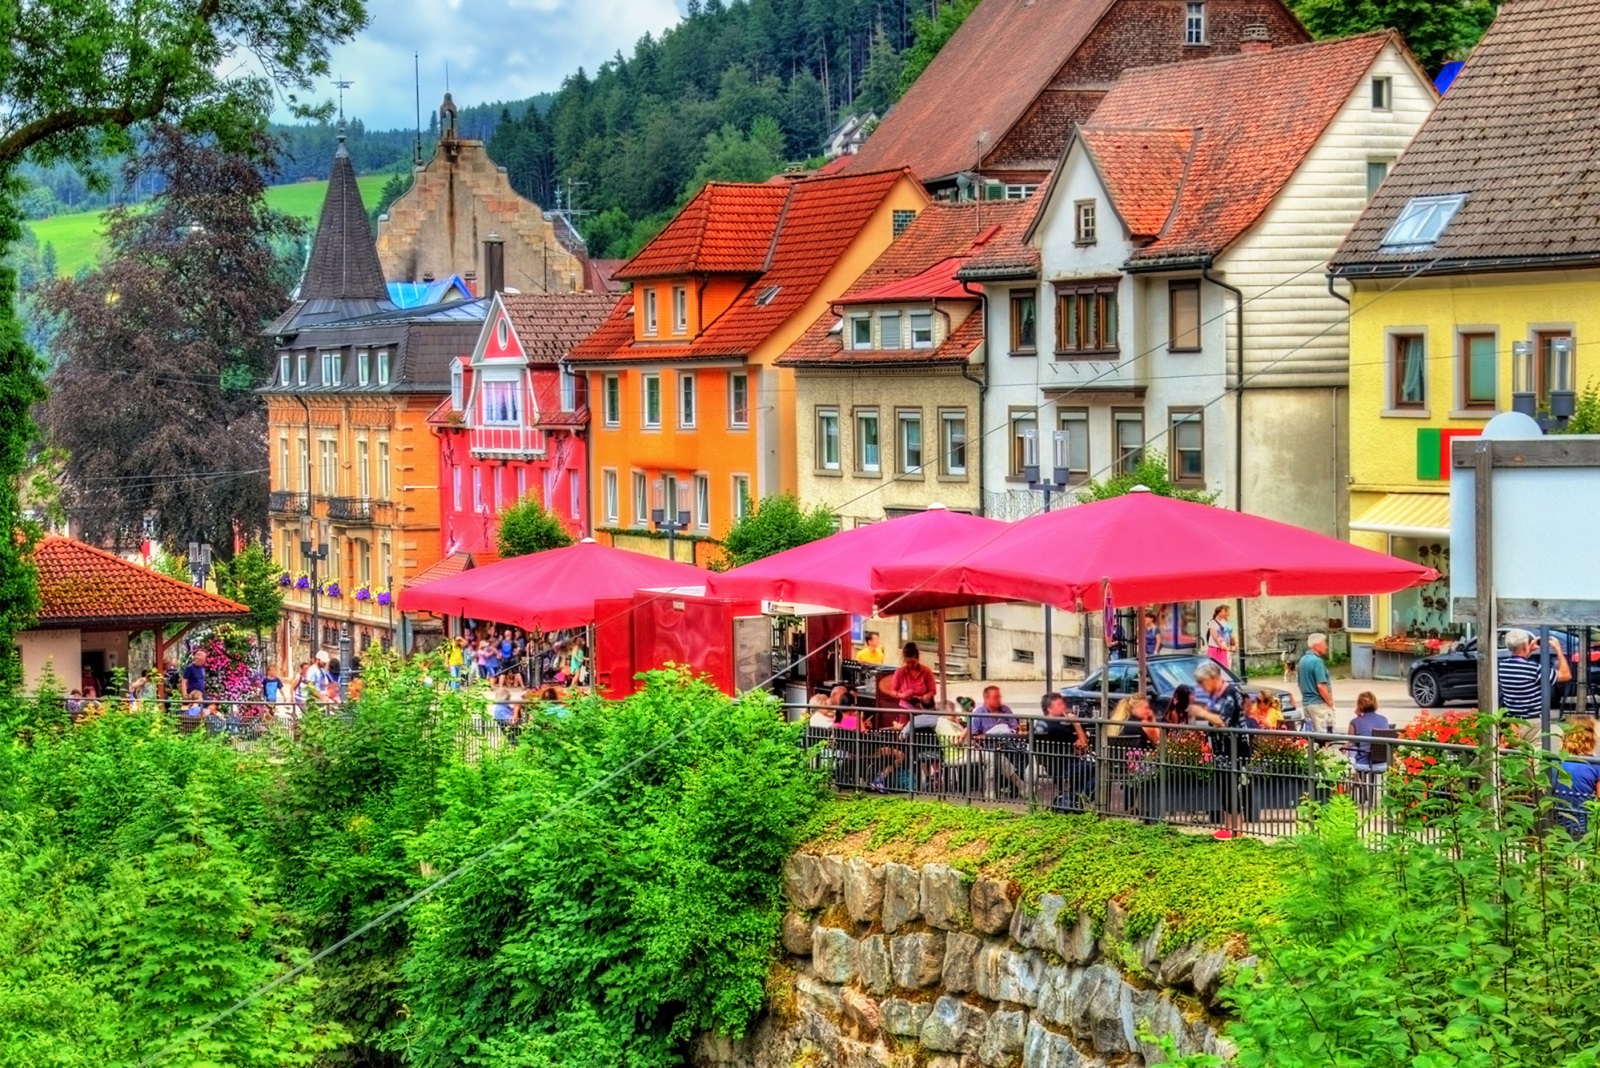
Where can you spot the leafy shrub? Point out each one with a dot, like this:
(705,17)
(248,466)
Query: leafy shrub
(528,527)
(775,524)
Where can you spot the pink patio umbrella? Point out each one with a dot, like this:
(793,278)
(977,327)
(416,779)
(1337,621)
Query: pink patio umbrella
(550,590)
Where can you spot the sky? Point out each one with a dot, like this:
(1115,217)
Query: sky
(496,50)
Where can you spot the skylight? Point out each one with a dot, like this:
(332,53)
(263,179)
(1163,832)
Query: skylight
(766,296)
(1421,222)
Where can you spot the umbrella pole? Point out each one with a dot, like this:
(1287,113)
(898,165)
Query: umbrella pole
(1105,670)
(944,670)
(1144,649)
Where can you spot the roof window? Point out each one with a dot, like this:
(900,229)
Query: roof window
(1421,222)
(766,296)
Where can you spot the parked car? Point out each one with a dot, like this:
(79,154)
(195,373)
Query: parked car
(1166,674)
(1453,676)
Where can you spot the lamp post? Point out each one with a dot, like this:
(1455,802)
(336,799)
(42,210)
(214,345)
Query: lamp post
(315,552)
(679,520)
(200,562)
(1563,399)
(1048,487)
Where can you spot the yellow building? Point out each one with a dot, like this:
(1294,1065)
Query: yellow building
(1474,281)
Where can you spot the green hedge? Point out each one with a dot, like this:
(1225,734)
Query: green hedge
(1203,889)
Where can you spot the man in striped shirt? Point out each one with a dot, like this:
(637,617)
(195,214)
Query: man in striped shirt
(1521,678)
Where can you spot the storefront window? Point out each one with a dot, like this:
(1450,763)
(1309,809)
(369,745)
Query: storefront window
(1424,611)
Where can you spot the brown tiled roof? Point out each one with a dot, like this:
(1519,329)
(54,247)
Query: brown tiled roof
(454,564)
(819,218)
(983,81)
(942,234)
(726,229)
(1197,151)
(1009,254)
(81,586)
(1519,134)
(549,325)
(344,259)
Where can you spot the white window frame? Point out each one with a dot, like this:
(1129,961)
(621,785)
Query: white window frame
(499,490)
(328,464)
(611,399)
(455,482)
(864,416)
(364,367)
(302,368)
(688,400)
(1194,23)
(284,474)
(737,383)
(1382,93)
(492,387)
(649,382)
(702,501)
(827,430)
(610,494)
(1085,222)
(639,486)
(890,322)
(385,476)
(285,367)
(1077,466)
(651,324)
(477,491)
(574,495)
(502,332)
(458,379)
(904,417)
(680,309)
(332,367)
(363,468)
(853,325)
(948,417)
(743,497)
(522,484)
(926,318)
(383,367)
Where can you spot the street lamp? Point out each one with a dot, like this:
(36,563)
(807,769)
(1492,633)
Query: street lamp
(1048,487)
(200,562)
(1558,380)
(679,520)
(315,552)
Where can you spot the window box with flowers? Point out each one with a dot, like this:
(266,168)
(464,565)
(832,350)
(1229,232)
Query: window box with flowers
(331,589)
(383,597)
(302,581)
(363,593)
(286,579)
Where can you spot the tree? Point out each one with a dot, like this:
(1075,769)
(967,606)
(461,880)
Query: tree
(77,77)
(251,578)
(527,527)
(160,349)
(733,157)
(1586,413)
(1436,32)
(392,190)
(929,35)
(1151,473)
(880,81)
(776,524)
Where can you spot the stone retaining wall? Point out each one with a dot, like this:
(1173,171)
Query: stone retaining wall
(894,966)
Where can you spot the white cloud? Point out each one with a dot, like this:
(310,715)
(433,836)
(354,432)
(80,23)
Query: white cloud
(496,49)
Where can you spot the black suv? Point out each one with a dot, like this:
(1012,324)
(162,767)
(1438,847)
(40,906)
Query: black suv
(1166,674)
(1445,677)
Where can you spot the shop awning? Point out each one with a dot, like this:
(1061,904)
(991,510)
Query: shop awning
(1412,515)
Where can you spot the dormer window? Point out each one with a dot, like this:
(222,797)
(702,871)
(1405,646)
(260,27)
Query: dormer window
(502,401)
(457,382)
(649,311)
(303,369)
(860,332)
(922,330)
(889,334)
(363,367)
(383,367)
(283,368)
(332,367)
(1421,223)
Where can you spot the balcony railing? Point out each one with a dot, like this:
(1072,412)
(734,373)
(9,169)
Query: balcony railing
(286,502)
(507,441)
(350,509)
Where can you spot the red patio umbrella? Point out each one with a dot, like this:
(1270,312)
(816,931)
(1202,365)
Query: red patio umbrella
(551,590)
(1148,549)
(836,572)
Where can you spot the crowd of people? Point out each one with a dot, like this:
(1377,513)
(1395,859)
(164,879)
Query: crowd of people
(509,658)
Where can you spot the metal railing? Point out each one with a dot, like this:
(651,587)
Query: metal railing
(350,509)
(1249,781)
(286,502)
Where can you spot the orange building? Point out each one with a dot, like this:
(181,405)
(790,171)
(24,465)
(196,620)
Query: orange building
(351,455)
(690,412)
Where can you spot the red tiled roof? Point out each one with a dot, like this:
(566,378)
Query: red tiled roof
(549,325)
(1008,254)
(939,241)
(819,219)
(726,229)
(936,283)
(1249,121)
(81,586)
(600,275)
(981,83)
(453,564)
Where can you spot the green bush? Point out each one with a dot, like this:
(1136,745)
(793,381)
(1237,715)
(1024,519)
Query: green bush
(527,527)
(775,524)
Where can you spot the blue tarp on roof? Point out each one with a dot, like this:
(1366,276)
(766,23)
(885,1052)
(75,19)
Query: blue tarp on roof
(422,294)
(1447,75)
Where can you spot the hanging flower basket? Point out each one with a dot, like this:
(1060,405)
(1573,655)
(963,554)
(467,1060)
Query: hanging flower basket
(363,593)
(385,597)
(286,579)
(302,581)
(330,589)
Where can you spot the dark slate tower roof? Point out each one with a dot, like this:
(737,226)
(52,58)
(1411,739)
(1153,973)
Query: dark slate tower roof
(343,278)
(344,259)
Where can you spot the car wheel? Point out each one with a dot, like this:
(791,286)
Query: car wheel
(1426,691)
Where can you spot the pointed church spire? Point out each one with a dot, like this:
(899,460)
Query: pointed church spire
(344,260)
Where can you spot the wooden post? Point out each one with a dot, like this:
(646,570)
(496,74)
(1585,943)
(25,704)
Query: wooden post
(944,671)
(1483,520)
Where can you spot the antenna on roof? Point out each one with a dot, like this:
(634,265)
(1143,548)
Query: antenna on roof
(416,74)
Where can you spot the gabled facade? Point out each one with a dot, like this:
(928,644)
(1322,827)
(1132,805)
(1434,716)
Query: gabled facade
(691,407)
(1483,240)
(1179,298)
(1002,96)
(516,421)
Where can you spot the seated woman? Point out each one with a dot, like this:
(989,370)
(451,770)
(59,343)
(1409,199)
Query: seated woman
(961,762)
(1368,722)
(1579,781)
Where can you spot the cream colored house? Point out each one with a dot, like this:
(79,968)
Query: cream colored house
(1177,266)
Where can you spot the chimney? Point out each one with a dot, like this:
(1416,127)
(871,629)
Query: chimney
(494,265)
(1256,38)
(427,278)
(470,280)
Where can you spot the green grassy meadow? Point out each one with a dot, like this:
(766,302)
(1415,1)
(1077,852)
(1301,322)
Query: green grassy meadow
(78,238)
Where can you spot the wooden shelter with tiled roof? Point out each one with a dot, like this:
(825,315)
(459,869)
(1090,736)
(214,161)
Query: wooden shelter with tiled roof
(91,601)
(691,407)
(1002,96)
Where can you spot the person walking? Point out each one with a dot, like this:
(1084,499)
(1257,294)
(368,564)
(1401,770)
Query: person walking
(1316,687)
(1220,642)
